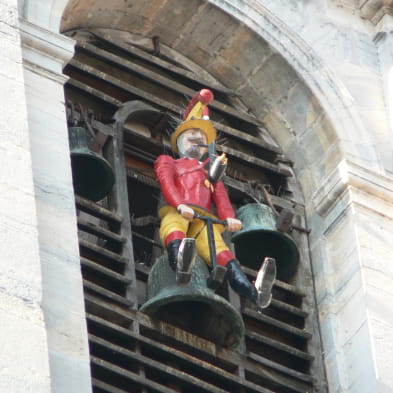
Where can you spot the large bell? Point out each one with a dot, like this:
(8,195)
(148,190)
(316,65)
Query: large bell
(193,307)
(259,238)
(92,175)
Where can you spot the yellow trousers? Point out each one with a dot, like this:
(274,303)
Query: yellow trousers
(172,221)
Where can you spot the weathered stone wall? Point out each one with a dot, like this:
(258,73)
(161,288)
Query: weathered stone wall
(23,337)
(44,53)
(43,329)
(350,247)
(315,72)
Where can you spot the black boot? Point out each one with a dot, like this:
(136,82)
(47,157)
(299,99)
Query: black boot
(239,282)
(173,252)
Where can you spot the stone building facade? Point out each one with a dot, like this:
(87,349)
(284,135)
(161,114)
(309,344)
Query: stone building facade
(317,73)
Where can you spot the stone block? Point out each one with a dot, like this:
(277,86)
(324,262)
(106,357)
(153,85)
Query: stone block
(49,124)
(24,361)
(374,236)
(349,369)
(313,147)
(255,103)
(8,15)
(299,108)
(382,331)
(57,225)
(52,169)
(308,182)
(44,93)
(379,299)
(10,57)
(378,280)
(223,71)
(351,309)
(244,51)
(18,175)
(273,79)
(70,373)
(297,151)
(280,129)
(181,24)
(335,372)
(341,243)
(63,330)
(358,80)
(345,272)
(19,264)
(328,326)
(375,119)
(325,133)
(321,270)
(13,126)
(358,358)
(220,26)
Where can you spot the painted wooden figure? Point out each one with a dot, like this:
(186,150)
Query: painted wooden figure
(190,188)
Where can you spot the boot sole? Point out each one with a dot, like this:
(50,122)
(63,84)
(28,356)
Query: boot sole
(264,282)
(185,261)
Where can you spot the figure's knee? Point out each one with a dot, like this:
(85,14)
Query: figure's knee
(223,253)
(224,256)
(173,225)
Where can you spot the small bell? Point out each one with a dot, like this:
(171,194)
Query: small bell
(92,175)
(260,238)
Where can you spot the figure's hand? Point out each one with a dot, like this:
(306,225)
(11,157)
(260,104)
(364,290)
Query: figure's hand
(233,224)
(186,212)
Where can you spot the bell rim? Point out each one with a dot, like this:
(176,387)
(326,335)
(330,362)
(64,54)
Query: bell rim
(238,235)
(285,271)
(194,293)
(290,242)
(201,294)
(106,168)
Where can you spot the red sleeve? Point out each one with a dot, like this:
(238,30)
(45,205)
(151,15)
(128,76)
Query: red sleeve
(165,171)
(222,202)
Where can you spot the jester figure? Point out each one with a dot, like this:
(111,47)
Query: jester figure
(188,189)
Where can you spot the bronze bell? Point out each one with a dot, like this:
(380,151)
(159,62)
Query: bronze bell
(260,238)
(92,175)
(193,307)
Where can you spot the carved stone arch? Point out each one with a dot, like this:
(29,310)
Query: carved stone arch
(335,100)
(222,56)
(333,183)
(342,123)
(259,79)
(46,14)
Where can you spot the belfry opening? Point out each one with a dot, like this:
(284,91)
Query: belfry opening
(135,68)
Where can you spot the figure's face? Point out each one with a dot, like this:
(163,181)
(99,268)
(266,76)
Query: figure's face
(189,143)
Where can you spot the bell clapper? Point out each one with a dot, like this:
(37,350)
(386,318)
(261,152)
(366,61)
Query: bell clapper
(216,277)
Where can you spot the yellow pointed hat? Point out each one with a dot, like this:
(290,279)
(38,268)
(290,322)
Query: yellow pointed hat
(196,116)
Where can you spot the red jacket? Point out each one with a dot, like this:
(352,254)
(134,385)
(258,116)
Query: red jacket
(184,181)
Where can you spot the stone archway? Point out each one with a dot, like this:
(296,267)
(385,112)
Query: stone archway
(321,134)
(265,82)
(247,57)
(279,80)
(231,57)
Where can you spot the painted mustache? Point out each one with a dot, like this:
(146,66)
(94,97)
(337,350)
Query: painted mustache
(197,140)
